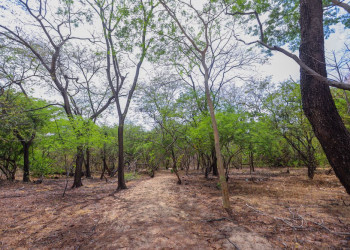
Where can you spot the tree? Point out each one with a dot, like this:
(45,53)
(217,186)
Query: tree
(23,117)
(54,29)
(318,103)
(285,108)
(18,70)
(126,30)
(160,104)
(94,97)
(199,45)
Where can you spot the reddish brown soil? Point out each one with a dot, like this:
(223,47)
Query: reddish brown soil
(275,210)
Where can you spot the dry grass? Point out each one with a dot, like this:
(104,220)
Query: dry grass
(271,209)
(289,209)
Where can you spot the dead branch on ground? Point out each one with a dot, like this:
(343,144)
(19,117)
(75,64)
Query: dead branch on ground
(298,218)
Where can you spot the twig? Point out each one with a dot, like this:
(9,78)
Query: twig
(284,220)
(326,228)
(233,244)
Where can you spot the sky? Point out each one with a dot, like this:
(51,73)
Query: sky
(279,67)
(282,67)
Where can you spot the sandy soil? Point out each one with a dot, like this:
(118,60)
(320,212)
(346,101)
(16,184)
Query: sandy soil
(272,210)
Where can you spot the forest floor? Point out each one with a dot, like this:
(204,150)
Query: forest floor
(271,209)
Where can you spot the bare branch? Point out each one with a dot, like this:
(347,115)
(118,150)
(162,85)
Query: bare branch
(342,4)
(325,80)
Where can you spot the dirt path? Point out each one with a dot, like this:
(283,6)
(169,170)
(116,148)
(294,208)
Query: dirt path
(158,214)
(152,213)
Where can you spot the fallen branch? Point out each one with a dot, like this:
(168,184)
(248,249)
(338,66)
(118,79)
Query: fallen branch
(296,217)
(287,221)
(326,228)
(233,244)
(219,219)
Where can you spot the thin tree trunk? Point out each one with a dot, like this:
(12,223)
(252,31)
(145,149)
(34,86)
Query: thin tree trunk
(78,168)
(87,163)
(26,146)
(317,100)
(223,182)
(105,167)
(198,161)
(251,162)
(12,173)
(167,164)
(175,167)
(121,179)
(214,163)
(207,167)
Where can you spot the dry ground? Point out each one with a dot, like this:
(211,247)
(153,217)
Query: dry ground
(271,210)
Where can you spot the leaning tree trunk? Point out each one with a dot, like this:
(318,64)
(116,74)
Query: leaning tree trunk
(317,100)
(26,146)
(220,165)
(78,168)
(175,167)
(121,179)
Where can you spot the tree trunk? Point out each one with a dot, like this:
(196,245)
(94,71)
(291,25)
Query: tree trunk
(87,163)
(26,146)
(251,162)
(78,168)
(121,179)
(223,182)
(105,167)
(103,170)
(207,167)
(214,163)
(12,173)
(317,100)
(167,164)
(311,167)
(312,162)
(112,171)
(175,167)
(198,161)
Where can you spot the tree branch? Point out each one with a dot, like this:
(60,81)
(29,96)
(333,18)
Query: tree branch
(325,80)
(342,4)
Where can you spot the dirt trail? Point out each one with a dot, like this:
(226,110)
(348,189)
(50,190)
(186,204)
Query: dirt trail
(152,214)
(157,213)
